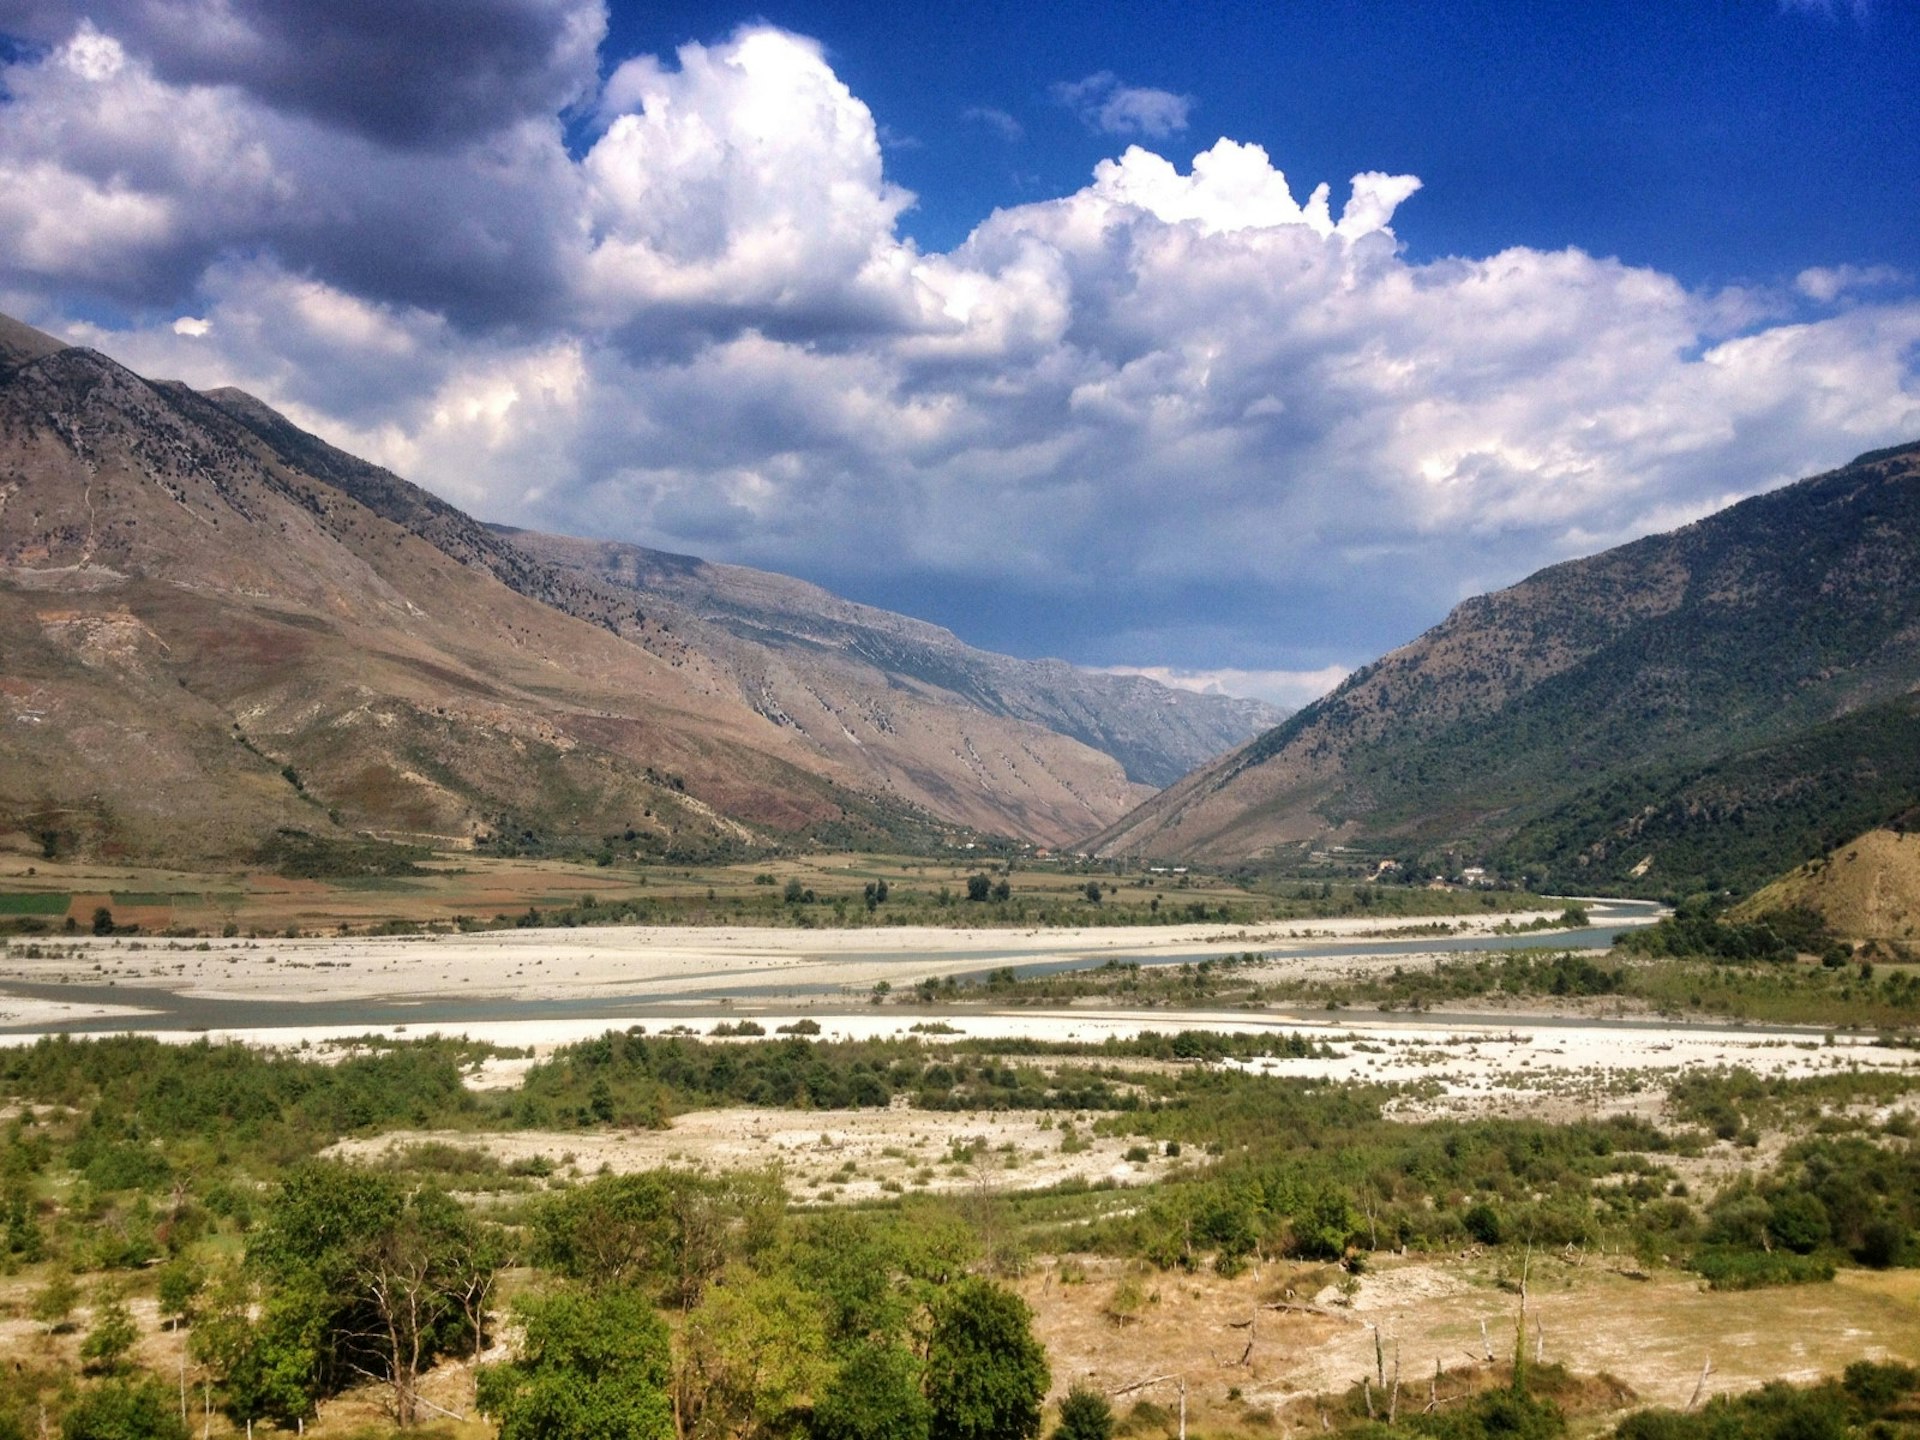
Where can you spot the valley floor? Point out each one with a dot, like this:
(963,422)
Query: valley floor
(1258,1351)
(604,972)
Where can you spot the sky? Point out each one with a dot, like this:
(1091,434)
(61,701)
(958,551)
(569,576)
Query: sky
(1233,344)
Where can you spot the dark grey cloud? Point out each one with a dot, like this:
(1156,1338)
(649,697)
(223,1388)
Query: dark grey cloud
(413,73)
(120,184)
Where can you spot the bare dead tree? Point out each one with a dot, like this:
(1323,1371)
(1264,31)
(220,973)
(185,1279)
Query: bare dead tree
(1706,1369)
(1179,1380)
(1252,1326)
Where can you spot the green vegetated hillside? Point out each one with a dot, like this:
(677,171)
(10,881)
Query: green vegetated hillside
(1716,703)
(1736,820)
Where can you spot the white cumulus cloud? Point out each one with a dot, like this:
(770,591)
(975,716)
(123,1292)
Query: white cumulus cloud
(1288,688)
(1193,417)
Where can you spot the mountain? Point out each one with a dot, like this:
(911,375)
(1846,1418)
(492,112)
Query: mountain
(215,627)
(1733,822)
(807,657)
(969,735)
(1749,670)
(843,673)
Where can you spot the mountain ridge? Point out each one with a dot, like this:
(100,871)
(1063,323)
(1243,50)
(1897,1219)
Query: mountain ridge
(1775,616)
(217,625)
(614,584)
(1101,710)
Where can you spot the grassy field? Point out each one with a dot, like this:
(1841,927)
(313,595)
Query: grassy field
(820,890)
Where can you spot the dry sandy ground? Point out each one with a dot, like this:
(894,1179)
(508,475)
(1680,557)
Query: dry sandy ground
(1559,1068)
(1653,1333)
(16,1010)
(656,962)
(824,1154)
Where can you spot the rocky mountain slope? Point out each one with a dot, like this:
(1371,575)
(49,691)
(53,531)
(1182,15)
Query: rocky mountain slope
(967,734)
(1569,714)
(214,627)
(840,672)
(806,657)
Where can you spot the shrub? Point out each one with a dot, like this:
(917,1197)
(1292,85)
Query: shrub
(124,1410)
(1482,1222)
(1084,1415)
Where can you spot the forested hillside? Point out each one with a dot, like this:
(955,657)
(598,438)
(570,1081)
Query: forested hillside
(1750,667)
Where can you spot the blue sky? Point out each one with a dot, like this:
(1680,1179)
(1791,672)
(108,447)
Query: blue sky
(1026,319)
(1717,141)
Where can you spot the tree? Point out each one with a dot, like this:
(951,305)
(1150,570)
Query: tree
(123,1410)
(1093,892)
(592,1365)
(1799,1221)
(53,1303)
(874,1396)
(753,1352)
(180,1282)
(1085,1414)
(986,1374)
(675,1232)
(111,1336)
(979,887)
(1322,1224)
(265,1349)
(388,1276)
(611,1232)
(851,1263)
(418,1274)
(102,920)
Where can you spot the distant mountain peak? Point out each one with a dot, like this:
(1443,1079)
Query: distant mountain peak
(21,344)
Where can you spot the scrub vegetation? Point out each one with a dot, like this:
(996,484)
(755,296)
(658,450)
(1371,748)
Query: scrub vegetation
(190,1257)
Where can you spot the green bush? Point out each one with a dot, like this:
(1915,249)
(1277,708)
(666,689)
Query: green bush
(1085,1414)
(1482,1222)
(124,1410)
(1752,1270)
(589,1365)
(1869,1400)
